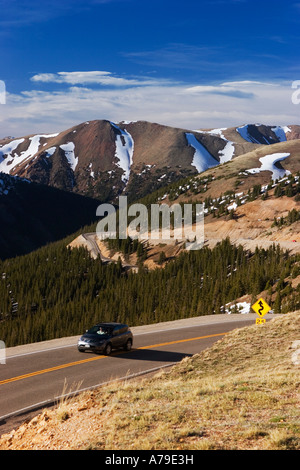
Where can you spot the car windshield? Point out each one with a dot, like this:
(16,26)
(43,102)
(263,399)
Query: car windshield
(98,330)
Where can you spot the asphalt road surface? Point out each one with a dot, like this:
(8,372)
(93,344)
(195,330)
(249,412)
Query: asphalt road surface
(36,376)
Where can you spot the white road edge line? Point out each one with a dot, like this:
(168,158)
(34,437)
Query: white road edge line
(70,394)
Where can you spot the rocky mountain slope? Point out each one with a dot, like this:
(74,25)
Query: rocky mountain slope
(254,199)
(102,159)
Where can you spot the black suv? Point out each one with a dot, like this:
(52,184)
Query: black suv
(104,337)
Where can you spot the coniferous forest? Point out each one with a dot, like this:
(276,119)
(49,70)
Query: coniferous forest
(55,291)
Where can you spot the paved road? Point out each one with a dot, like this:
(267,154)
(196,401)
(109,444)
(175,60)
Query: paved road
(35,375)
(94,248)
(90,239)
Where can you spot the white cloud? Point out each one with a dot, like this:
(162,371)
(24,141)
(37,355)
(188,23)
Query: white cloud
(93,77)
(247,89)
(180,105)
(222,89)
(248,83)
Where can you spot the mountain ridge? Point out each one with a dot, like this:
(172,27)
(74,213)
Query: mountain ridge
(105,160)
(102,159)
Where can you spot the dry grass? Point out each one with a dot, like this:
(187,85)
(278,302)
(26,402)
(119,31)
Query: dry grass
(243,393)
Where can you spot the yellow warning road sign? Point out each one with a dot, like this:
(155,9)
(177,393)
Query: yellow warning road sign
(261,307)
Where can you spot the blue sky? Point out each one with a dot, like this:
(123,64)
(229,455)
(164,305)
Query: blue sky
(192,63)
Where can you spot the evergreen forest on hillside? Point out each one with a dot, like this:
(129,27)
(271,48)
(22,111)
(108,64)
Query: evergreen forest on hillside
(55,291)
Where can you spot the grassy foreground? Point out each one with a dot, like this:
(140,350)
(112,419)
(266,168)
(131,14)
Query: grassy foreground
(242,393)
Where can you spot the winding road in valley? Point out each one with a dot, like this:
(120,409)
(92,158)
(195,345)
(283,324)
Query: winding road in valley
(89,240)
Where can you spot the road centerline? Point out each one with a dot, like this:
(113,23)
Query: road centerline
(91,359)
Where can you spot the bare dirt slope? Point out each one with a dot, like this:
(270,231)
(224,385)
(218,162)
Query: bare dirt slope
(252,225)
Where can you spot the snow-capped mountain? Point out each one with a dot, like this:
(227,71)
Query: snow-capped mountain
(103,159)
(265,135)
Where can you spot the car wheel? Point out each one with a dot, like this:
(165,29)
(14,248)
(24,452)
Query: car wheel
(107,349)
(128,345)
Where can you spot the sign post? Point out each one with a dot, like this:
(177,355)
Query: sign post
(261,308)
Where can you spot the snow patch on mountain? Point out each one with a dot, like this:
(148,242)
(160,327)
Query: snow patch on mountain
(7,150)
(124,151)
(279,131)
(228,151)
(202,160)
(69,150)
(33,147)
(268,163)
(286,129)
(240,307)
(244,132)
(50,152)
(12,160)
(92,173)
